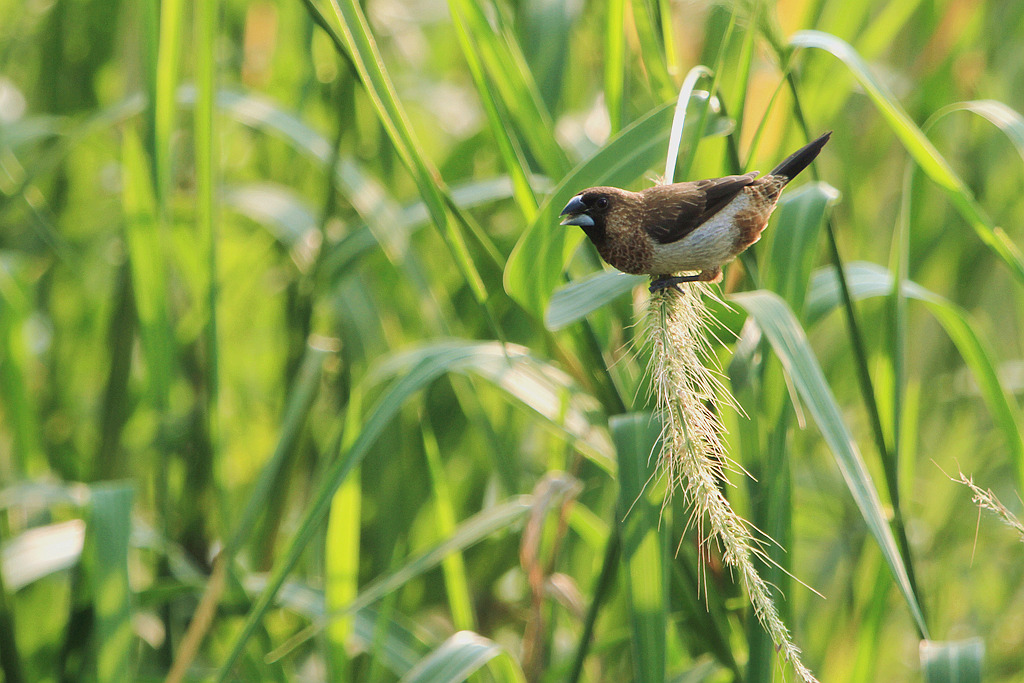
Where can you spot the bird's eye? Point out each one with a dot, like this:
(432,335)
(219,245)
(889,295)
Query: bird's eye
(601,203)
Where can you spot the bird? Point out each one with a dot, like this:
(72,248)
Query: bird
(694,227)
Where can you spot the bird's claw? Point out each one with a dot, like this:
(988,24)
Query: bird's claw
(665,282)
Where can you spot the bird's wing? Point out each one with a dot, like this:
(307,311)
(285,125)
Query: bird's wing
(674,211)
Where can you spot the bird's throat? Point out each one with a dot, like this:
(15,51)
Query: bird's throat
(596,233)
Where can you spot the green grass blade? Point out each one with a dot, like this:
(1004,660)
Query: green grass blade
(146,259)
(614,62)
(207,154)
(362,49)
(652,49)
(501,128)
(508,72)
(387,406)
(797,227)
(536,384)
(501,517)
(497,518)
(341,553)
(168,62)
(920,148)
(106,560)
(535,266)
(459,657)
(574,301)
(643,546)
(300,401)
(952,661)
(867,280)
(790,344)
(998,114)
(19,411)
(460,601)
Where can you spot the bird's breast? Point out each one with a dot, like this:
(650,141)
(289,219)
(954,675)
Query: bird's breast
(630,251)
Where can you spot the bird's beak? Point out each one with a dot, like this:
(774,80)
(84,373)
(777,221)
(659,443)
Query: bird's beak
(575,213)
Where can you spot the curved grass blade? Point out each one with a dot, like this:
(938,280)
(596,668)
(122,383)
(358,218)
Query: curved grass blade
(501,128)
(340,259)
(424,371)
(679,118)
(500,517)
(462,655)
(400,644)
(536,384)
(507,71)
(643,546)
(957,661)
(362,48)
(868,280)
(574,301)
(790,344)
(1000,115)
(920,148)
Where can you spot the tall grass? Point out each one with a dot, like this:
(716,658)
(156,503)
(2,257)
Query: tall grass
(301,380)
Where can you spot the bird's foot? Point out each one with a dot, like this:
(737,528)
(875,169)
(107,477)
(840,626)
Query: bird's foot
(666,281)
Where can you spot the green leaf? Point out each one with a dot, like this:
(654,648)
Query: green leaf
(574,301)
(797,225)
(614,61)
(956,661)
(362,48)
(459,657)
(486,523)
(643,547)
(106,561)
(790,344)
(501,126)
(868,280)
(147,262)
(510,76)
(536,384)
(920,148)
(343,461)
(998,114)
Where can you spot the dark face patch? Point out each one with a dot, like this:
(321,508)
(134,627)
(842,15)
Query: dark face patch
(598,205)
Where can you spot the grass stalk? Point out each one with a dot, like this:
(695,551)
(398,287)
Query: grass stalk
(693,458)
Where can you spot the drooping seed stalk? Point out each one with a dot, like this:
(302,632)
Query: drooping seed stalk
(688,396)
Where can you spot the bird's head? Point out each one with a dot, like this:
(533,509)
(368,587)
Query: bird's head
(597,209)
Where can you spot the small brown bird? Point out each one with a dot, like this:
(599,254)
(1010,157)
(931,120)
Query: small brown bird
(694,226)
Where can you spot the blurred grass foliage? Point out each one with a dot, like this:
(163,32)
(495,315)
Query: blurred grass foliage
(301,380)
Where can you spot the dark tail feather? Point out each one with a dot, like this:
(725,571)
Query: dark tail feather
(799,160)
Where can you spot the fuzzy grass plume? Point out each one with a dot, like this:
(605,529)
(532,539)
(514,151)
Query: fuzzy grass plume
(687,394)
(986,500)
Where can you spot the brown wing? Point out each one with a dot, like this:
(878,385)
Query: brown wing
(674,211)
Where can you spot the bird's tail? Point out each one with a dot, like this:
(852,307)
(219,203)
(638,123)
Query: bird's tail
(799,160)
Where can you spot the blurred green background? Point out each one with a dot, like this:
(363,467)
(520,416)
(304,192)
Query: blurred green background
(281,284)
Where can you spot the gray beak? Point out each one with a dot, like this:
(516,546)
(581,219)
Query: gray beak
(575,213)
